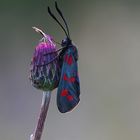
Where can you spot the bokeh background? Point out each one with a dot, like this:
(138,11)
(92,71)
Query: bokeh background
(107,34)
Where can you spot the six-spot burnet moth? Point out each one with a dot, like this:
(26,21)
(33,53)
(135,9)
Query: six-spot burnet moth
(69,87)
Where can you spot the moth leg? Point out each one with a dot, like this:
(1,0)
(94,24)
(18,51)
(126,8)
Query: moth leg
(48,62)
(55,51)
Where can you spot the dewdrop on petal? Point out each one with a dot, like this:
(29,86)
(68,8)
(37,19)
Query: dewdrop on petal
(44,68)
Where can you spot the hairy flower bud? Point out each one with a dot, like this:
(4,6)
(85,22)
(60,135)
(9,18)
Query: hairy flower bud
(44,68)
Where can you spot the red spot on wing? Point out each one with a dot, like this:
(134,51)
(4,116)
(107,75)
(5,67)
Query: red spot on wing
(70,61)
(65,77)
(70,98)
(72,79)
(64,92)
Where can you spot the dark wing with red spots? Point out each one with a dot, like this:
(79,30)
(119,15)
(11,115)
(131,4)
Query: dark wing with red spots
(69,87)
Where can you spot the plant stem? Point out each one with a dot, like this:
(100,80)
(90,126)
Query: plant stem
(42,116)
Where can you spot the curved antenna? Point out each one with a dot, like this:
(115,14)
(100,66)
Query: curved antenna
(52,15)
(60,13)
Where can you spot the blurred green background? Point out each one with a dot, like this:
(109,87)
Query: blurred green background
(107,34)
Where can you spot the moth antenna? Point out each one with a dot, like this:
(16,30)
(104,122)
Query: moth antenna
(60,13)
(52,15)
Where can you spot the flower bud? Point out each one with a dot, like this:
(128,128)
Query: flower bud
(44,68)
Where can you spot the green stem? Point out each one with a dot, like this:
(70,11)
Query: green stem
(42,116)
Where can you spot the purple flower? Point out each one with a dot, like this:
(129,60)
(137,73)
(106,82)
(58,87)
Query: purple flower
(44,68)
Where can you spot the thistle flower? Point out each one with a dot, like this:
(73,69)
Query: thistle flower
(44,70)
(44,75)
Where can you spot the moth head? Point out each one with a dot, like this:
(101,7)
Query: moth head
(66,42)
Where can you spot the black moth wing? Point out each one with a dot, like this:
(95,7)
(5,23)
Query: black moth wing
(69,86)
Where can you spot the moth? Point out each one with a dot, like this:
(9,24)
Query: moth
(69,85)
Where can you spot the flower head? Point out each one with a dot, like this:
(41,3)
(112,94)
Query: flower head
(44,68)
